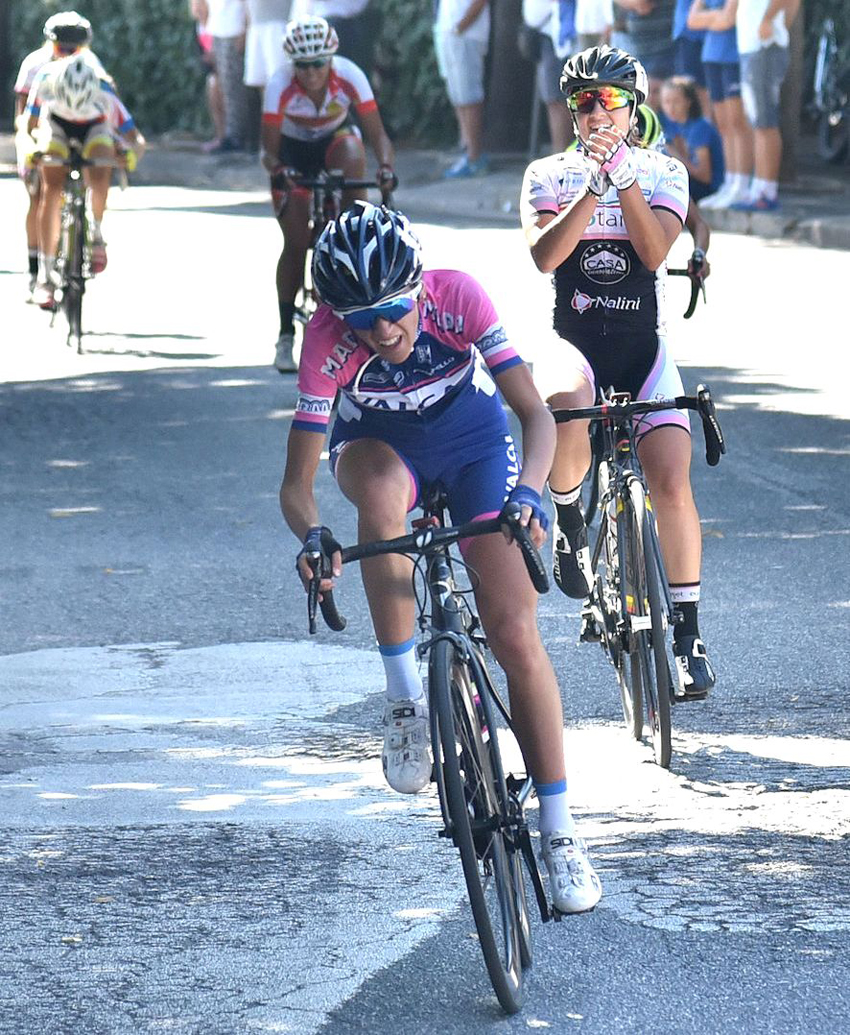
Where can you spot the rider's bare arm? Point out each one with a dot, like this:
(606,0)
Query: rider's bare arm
(553,238)
(373,129)
(652,231)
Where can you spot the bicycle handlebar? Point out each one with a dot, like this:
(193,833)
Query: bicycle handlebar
(422,541)
(613,408)
(697,285)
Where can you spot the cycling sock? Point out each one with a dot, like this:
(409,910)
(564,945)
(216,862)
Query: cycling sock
(401,670)
(45,266)
(554,811)
(568,508)
(287,311)
(688,625)
(33,261)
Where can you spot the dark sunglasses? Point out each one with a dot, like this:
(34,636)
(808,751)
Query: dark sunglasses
(610,97)
(316,63)
(392,312)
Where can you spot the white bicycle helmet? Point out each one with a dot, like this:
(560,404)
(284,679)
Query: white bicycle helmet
(76,84)
(309,37)
(68,27)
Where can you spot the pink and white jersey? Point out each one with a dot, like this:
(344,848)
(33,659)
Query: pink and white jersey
(459,332)
(603,290)
(287,105)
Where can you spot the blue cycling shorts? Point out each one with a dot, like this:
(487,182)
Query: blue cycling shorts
(464,446)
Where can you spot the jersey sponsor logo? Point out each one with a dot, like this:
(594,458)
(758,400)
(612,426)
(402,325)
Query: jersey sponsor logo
(611,219)
(314,404)
(338,355)
(513,466)
(445,321)
(605,263)
(581,302)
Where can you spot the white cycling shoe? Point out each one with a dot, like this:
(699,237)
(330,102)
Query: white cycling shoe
(406,757)
(284,360)
(573,882)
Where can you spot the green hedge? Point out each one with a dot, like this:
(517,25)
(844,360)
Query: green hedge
(412,95)
(149,47)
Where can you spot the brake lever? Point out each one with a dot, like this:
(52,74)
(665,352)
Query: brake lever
(314,560)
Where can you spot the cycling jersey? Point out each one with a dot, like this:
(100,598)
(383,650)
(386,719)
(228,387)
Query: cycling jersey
(459,332)
(607,303)
(34,62)
(287,105)
(42,95)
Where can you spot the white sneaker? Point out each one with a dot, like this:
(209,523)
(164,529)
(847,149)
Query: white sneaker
(406,757)
(283,359)
(573,883)
(719,199)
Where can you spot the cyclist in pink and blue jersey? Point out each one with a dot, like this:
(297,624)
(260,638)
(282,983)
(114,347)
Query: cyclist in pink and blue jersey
(418,360)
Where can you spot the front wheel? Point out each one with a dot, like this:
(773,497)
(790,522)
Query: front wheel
(648,621)
(477,810)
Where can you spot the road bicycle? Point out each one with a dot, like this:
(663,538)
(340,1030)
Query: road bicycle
(73,257)
(481,805)
(629,610)
(326,188)
(831,95)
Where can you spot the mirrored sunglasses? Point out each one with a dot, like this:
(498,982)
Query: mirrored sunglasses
(315,63)
(610,97)
(392,312)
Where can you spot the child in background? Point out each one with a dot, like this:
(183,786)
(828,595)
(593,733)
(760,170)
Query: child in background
(691,138)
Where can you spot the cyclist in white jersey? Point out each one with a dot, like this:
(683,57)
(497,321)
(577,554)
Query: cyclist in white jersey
(308,126)
(602,220)
(65,33)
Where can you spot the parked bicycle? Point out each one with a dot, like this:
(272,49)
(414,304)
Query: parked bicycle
(481,805)
(629,610)
(327,188)
(73,258)
(831,95)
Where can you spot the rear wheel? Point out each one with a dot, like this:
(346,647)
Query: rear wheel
(477,807)
(74,281)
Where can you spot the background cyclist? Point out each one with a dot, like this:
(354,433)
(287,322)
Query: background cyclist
(602,220)
(70,100)
(65,33)
(308,126)
(414,356)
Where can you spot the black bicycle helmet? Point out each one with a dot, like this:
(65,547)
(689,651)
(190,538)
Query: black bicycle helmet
(604,66)
(366,256)
(68,27)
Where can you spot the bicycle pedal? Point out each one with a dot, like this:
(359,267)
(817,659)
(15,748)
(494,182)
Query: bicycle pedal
(590,631)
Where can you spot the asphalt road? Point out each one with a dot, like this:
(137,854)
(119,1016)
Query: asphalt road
(194,834)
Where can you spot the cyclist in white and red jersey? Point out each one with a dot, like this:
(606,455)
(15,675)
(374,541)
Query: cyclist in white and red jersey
(416,359)
(65,33)
(602,220)
(309,125)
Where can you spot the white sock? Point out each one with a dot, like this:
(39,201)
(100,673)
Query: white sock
(45,266)
(740,184)
(554,811)
(401,669)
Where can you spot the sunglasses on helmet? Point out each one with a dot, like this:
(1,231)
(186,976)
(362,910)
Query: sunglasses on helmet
(315,63)
(610,97)
(392,312)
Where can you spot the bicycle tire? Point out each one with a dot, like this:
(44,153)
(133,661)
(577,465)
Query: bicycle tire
(514,810)
(74,283)
(475,808)
(650,643)
(834,133)
(626,664)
